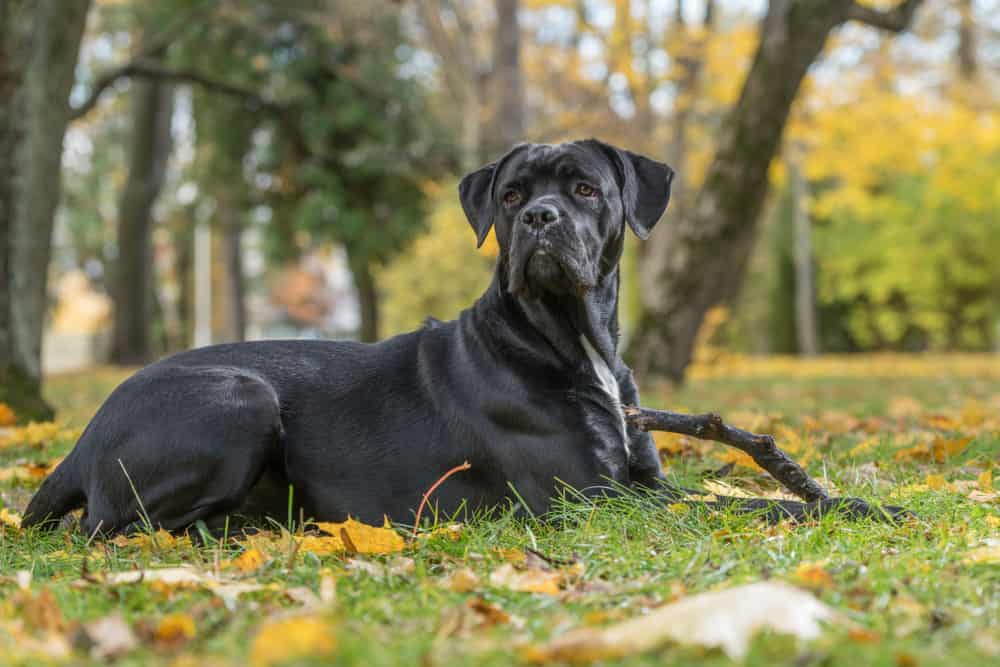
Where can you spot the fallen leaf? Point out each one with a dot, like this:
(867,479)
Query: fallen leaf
(813,576)
(993,521)
(528,581)
(160,539)
(111,637)
(7,416)
(250,560)
(9,519)
(287,639)
(982,497)
(938,451)
(725,619)
(986,554)
(40,612)
(985,481)
(902,407)
(174,630)
(462,580)
(363,538)
(937,483)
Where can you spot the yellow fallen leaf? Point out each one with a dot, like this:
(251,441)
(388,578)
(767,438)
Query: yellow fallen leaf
(298,637)
(938,451)
(813,576)
(725,619)
(528,581)
(974,414)
(985,481)
(943,422)
(739,458)
(9,518)
(678,508)
(937,483)
(864,446)
(512,555)
(902,407)
(462,580)
(248,561)
(7,416)
(361,538)
(993,521)
(160,539)
(175,629)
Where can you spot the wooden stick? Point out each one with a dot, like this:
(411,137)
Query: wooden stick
(709,426)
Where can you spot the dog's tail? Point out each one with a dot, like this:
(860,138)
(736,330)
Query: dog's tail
(60,493)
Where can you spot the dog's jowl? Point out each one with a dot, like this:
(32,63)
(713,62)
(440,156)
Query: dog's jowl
(526,385)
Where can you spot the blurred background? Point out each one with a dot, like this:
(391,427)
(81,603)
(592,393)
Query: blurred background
(184,172)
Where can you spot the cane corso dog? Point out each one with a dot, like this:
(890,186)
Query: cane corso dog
(527,385)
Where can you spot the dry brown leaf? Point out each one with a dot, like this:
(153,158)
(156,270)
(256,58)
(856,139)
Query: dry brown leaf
(111,637)
(726,619)
(982,497)
(286,639)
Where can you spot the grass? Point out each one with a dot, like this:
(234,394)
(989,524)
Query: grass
(912,595)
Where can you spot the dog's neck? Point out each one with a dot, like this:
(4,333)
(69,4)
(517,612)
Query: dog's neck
(569,324)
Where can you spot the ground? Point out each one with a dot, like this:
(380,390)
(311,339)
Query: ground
(916,431)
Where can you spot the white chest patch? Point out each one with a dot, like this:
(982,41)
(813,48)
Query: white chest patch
(608,383)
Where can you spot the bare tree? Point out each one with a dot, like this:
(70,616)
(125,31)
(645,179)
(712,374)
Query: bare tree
(704,253)
(39,49)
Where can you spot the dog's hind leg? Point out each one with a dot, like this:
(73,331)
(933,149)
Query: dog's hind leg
(179,445)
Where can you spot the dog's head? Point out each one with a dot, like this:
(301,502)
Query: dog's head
(560,211)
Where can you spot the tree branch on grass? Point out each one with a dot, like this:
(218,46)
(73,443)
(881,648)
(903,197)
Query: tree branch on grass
(710,426)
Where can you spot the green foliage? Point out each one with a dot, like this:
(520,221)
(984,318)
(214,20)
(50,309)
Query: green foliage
(907,248)
(441,273)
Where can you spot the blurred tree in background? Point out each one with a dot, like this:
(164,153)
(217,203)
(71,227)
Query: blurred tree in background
(222,155)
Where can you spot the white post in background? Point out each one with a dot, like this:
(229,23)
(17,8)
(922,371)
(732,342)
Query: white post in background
(202,284)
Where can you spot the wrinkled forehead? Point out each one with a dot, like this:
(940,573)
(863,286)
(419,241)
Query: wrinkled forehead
(561,162)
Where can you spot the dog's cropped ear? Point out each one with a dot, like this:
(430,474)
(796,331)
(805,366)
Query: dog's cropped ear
(475,191)
(644,185)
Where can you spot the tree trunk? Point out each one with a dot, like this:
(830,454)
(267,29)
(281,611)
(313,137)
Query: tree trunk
(704,255)
(805,292)
(368,301)
(39,48)
(509,87)
(234,280)
(150,144)
(968,64)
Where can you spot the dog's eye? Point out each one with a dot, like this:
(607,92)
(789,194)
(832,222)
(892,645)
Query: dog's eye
(585,190)
(512,198)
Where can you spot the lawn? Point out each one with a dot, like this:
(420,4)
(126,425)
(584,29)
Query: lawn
(923,432)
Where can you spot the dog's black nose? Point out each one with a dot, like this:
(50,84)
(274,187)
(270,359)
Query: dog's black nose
(539,214)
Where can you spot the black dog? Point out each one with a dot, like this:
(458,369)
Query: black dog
(527,385)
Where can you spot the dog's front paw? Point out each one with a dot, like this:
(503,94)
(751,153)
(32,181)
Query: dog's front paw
(855,508)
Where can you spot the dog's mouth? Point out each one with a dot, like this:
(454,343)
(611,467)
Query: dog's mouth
(540,268)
